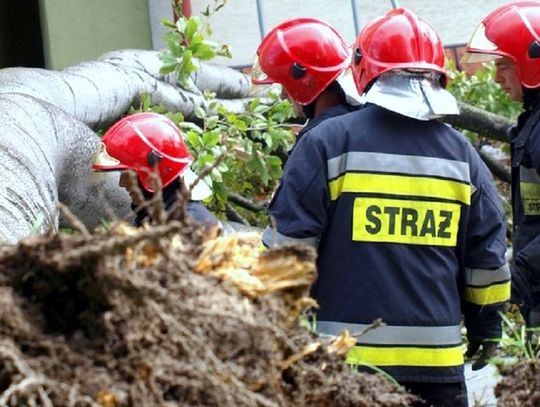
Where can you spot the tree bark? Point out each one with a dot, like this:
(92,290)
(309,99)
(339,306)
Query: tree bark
(486,124)
(99,92)
(46,157)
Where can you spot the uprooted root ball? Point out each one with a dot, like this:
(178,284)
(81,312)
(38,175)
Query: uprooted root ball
(138,317)
(520,385)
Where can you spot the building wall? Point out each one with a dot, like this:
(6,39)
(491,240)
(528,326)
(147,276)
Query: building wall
(81,30)
(20,34)
(237,25)
(5,36)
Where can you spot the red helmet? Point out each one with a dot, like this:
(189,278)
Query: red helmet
(513,31)
(144,142)
(399,40)
(304,55)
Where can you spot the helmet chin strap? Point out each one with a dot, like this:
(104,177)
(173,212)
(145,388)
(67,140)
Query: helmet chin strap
(333,95)
(309,110)
(530,97)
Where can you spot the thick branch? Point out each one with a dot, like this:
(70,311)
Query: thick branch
(498,169)
(487,124)
(247,203)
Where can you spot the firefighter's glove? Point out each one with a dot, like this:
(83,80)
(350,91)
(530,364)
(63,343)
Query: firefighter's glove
(485,351)
(520,293)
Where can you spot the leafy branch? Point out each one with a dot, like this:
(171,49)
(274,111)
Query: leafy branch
(186,43)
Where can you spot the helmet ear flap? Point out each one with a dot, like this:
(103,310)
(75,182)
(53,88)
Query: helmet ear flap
(534,50)
(357,58)
(298,70)
(153,158)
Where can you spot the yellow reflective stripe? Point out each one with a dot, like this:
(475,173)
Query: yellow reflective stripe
(400,185)
(493,294)
(530,197)
(405,356)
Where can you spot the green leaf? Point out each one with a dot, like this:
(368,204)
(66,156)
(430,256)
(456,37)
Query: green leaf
(194,140)
(211,138)
(167,23)
(240,125)
(181,24)
(211,121)
(167,68)
(204,52)
(189,126)
(191,28)
(199,112)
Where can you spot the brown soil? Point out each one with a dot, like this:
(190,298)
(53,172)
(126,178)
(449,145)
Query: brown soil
(121,318)
(520,385)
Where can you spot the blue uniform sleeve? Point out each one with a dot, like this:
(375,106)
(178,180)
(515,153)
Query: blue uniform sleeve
(487,276)
(299,208)
(201,214)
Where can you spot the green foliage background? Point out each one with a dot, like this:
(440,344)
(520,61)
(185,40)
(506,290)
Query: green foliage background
(240,153)
(481,90)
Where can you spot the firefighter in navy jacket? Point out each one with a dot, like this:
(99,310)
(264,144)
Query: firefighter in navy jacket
(510,34)
(405,217)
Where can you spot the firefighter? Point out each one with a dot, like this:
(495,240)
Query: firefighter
(309,59)
(143,145)
(404,215)
(510,35)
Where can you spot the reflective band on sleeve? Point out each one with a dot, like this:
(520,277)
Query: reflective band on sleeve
(399,164)
(530,197)
(405,356)
(401,185)
(494,294)
(449,335)
(484,277)
(529,175)
(272,238)
(530,190)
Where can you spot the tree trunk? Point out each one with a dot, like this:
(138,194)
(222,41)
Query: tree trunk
(46,157)
(99,92)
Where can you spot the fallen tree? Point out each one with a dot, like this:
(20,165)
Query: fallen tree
(99,92)
(47,143)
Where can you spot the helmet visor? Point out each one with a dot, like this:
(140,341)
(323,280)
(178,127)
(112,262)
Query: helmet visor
(103,161)
(258,76)
(480,48)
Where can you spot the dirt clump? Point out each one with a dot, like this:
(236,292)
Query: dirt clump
(520,384)
(168,315)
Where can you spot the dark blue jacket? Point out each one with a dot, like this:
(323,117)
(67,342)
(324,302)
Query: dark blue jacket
(525,148)
(408,227)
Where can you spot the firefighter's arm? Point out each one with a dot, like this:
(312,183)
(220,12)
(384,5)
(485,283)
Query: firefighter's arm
(298,210)
(526,271)
(487,275)
(526,266)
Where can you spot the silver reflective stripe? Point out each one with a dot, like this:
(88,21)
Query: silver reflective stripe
(272,238)
(396,335)
(528,175)
(400,164)
(483,277)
